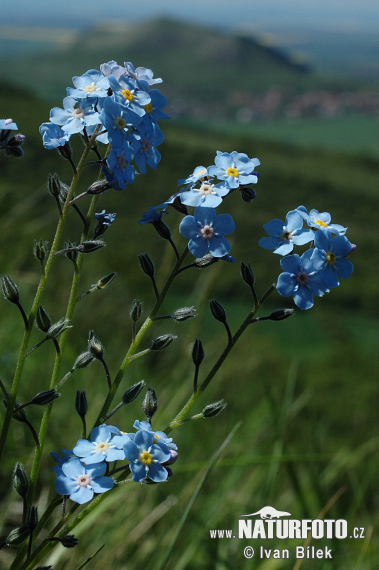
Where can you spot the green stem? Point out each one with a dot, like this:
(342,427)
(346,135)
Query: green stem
(37,299)
(58,360)
(138,338)
(195,396)
(46,545)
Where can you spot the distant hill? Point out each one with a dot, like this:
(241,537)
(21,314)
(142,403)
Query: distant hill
(196,63)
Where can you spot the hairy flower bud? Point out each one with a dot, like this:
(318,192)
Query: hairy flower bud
(197,353)
(54,184)
(32,518)
(57,328)
(90,246)
(248,194)
(247,274)
(94,346)
(162,229)
(18,535)
(150,403)
(40,249)
(81,405)
(99,187)
(281,314)
(69,541)
(214,409)
(136,310)
(43,320)
(133,392)
(217,311)
(83,360)
(10,289)
(45,397)
(147,264)
(72,253)
(162,342)
(206,261)
(20,480)
(183,314)
(107,280)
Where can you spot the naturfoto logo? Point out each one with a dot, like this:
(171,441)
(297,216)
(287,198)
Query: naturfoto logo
(272,524)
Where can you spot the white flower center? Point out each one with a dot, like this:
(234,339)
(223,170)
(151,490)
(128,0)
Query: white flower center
(207,231)
(83,480)
(206,189)
(78,114)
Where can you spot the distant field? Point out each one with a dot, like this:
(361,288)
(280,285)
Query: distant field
(358,135)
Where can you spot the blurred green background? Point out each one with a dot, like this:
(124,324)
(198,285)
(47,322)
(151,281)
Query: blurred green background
(305,389)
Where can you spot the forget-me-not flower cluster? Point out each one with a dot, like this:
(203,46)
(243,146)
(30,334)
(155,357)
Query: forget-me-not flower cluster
(80,471)
(317,270)
(204,190)
(118,101)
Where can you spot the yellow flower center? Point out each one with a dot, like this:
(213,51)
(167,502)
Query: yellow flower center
(145,457)
(127,94)
(90,88)
(321,223)
(330,258)
(148,108)
(102,447)
(232,172)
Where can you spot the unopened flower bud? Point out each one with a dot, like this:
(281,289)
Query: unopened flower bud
(45,397)
(197,353)
(217,311)
(57,328)
(19,415)
(72,253)
(107,280)
(40,249)
(281,314)
(133,392)
(247,274)
(248,194)
(179,207)
(183,314)
(94,346)
(214,409)
(83,360)
(10,289)
(206,261)
(174,456)
(32,519)
(162,229)
(65,150)
(81,405)
(20,480)
(99,187)
(18,535)
(53,184)
(69,541)
(90,246)
(150,403)
(135,311)
(43,320)
(147,264)
(162,342)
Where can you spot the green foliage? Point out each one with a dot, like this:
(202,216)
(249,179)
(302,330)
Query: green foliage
(304,387)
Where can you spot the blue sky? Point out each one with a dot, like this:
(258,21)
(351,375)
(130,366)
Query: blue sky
(344,15)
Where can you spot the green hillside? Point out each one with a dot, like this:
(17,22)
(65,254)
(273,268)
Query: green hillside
(199,65)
